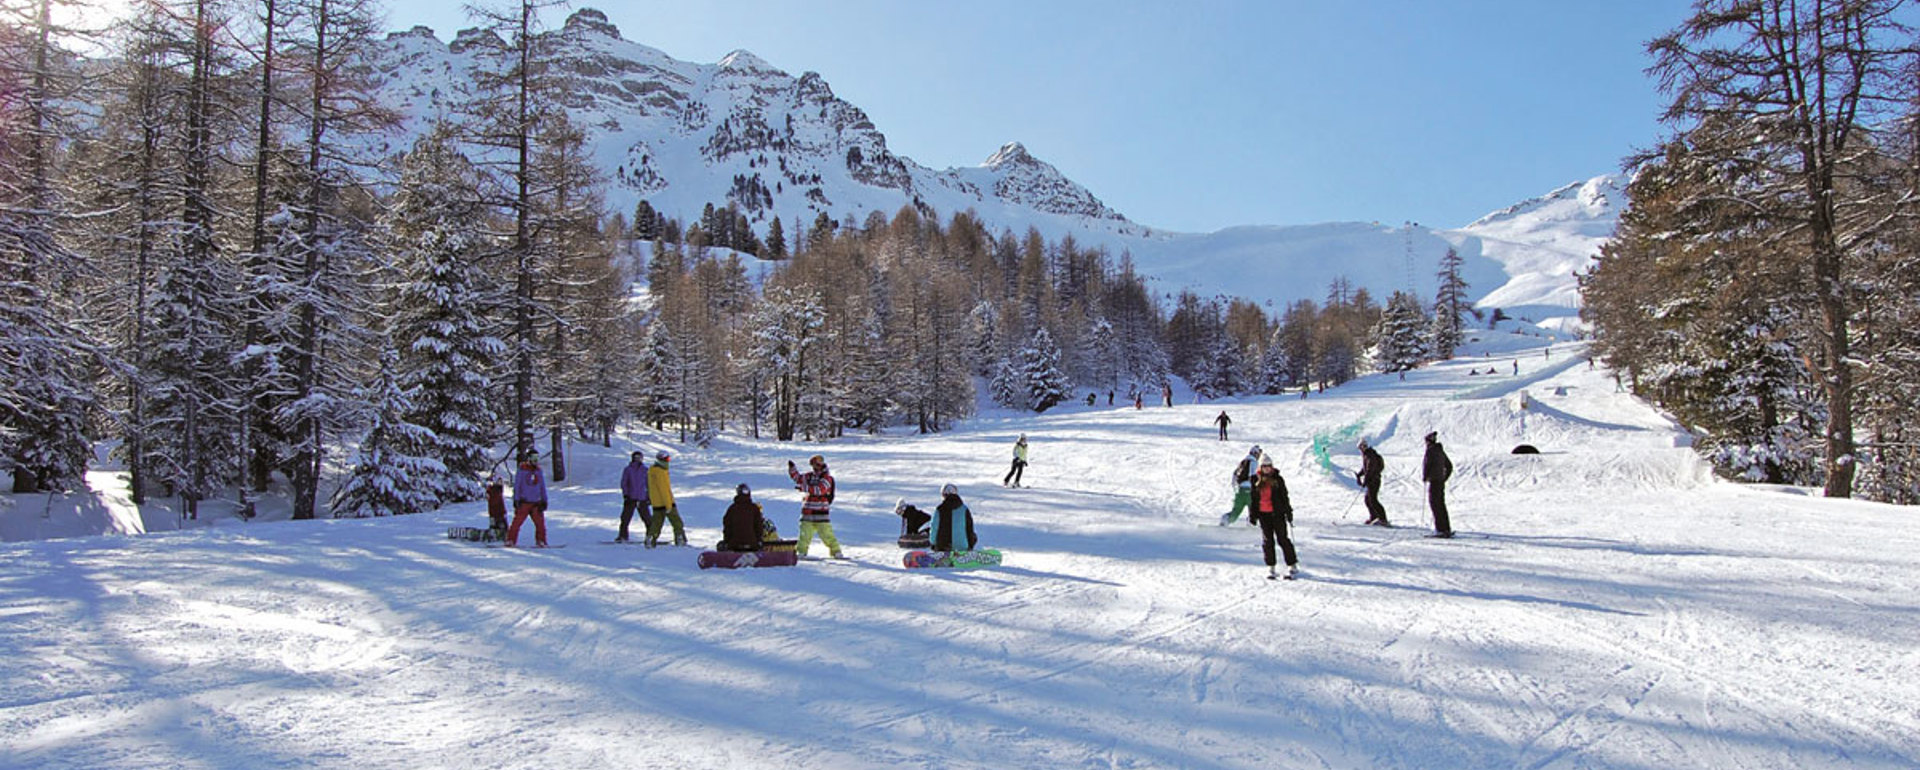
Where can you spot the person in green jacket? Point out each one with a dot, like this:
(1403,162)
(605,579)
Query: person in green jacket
(1242,486)
(660,495)
(1019,463)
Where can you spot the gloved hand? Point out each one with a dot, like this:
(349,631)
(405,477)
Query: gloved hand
(1357,481)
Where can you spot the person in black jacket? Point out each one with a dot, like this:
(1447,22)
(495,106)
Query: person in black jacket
(743,527)
(1371,466)
(1435,469)
(953,523)
(1274,513)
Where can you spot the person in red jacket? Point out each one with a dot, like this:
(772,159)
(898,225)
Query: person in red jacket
(817,485)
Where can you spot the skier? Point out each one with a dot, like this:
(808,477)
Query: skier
(1136,400)
(743,527)
(1222,421)
(1166,394)
(633,491)
(1371,466)
(1274,513)
(660,494)
(497,506)
(529,501)
(953,523)
(913,525)
(817,485)
(1242,485)
(1019,468)
(1435,469)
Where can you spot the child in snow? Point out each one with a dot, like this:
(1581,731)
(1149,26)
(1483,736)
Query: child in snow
(529,501)
(1242,485)
(817,485)
(497,506)
(660,494)
(953,523)
(913,525)
(743,527)
(633,493)
(1274,513)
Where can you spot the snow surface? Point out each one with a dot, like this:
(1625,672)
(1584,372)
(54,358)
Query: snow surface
(1607,604)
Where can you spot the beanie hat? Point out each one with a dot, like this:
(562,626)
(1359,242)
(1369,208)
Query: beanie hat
(1433,436)
(742,490)
(899,506)
(949,490)
(1266,461)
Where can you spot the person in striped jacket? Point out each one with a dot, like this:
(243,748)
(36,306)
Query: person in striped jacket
(817,485)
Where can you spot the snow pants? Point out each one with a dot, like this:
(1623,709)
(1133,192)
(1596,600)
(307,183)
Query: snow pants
(1273,529)
(1437,500)
(1242,497)
(1375,511)
(659,522)
(524,511)
(1013,474)
(627,510)
(825,529)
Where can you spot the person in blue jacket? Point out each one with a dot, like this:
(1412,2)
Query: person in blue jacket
(953,523)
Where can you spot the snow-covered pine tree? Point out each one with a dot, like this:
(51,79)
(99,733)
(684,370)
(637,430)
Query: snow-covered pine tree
(1006,386)
(1046,385)
(1277,367)
(1449,309)
(1217,373)
(394,470)
(789,325)
(1400,339)
(440,313)
(872,386)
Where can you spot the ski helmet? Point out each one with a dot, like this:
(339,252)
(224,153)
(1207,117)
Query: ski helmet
(662,456)
(949,490)
(742,490)
(900,506)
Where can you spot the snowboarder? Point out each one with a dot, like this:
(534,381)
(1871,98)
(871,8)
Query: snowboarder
(1274,513)
(1019,468)
(1137,401)
(1242,485)
(817,485)
(1435,469)
(953,523)
(660,495)
(1223,420)
(497,506)
(913,525)
(1166,394)
(1090,398)
(743,527)
(1371,466)
(1110,396)
(633,491)
(529,501)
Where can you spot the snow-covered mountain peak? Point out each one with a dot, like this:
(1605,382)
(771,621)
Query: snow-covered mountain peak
(1594,199)
(1011,153)
(589,21)
(745,61)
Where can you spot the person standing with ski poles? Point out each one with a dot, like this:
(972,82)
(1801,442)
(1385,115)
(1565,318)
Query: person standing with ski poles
(1371,466)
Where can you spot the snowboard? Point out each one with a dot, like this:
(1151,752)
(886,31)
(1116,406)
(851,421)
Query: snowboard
(738,559)
(475,534)
(984,557)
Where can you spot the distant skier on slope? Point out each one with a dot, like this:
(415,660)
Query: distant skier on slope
(1019,468)
(1242,485)
(1223,420)
(1274,513)
(1435,469)
(1371,466)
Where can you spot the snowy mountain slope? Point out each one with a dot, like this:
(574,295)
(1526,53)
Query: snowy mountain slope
(682,135)
(1607,604)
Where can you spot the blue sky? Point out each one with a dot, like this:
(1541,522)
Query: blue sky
(1204,114)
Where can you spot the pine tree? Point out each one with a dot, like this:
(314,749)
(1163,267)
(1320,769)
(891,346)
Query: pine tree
(440,313)
(394,470)
(1046,385)
(1006,387)
(1449,309)
(1400,339)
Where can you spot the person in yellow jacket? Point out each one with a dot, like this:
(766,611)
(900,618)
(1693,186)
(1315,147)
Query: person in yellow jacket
(660,495)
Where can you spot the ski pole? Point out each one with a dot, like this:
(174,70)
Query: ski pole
(1349,508)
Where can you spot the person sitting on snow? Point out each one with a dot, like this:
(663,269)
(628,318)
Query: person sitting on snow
(743,527)
(953,523)
(913,525)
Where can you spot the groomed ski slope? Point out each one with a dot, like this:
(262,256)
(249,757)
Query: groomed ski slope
(1607,604)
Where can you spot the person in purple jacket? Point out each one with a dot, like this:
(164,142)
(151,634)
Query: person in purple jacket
(529,501)
(633,487)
